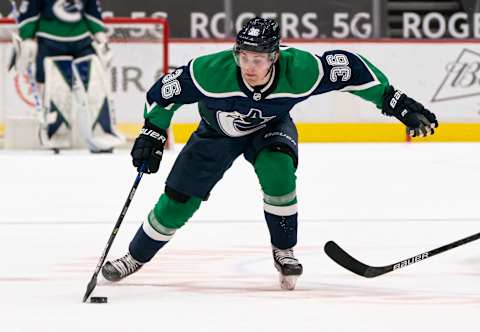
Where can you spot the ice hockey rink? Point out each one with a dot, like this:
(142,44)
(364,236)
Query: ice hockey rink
(381,202)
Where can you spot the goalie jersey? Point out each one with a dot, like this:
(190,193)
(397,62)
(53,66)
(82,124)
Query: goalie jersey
(60,20)
(233,108)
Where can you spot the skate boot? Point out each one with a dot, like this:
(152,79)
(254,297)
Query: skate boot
(120,268)
(288,267)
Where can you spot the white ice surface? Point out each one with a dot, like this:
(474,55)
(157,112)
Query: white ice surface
(382,202)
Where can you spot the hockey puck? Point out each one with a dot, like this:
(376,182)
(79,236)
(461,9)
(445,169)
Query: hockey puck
(98,299)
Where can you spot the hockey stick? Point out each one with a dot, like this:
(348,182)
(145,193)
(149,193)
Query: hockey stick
(93,281)
(341,257)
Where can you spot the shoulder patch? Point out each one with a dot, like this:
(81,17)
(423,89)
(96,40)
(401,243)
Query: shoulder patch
(300,73)
(215,75)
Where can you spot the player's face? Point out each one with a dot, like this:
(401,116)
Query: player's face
(254,67)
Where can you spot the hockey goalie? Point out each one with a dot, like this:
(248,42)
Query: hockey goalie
(63,48)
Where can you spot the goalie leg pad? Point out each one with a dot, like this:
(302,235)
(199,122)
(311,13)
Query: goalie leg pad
(57,117)
(96,121)
(276,173)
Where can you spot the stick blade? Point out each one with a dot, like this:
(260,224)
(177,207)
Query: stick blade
(90,287)
(342,258)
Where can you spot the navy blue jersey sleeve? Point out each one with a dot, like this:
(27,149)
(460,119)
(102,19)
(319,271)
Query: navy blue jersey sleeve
(168,94)
(346,71)
(29,14)
(93,16)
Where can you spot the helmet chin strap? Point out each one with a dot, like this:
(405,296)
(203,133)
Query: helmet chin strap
(270,70)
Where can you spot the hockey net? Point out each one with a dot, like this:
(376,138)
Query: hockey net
(140,48)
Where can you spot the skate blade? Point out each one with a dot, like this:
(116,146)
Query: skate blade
(288,282)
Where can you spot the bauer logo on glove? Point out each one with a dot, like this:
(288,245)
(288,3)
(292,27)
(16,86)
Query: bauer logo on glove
(153,134)
(419,120)
(148,147)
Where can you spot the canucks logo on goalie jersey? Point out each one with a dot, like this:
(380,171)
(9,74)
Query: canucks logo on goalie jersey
(68,10)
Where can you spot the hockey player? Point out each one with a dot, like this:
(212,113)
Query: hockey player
(244,98)
(66,41)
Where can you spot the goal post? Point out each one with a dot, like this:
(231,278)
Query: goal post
(140,57)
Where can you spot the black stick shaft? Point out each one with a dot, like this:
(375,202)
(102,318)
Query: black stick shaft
(434,252)
(93,281)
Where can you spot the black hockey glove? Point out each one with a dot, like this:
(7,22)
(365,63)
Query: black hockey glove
(419,120)
(148,147)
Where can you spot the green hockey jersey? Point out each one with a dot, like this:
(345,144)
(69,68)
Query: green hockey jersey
(61,20)
(228,104)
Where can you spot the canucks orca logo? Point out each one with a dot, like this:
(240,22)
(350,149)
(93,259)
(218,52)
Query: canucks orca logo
(236,124)
(68,10)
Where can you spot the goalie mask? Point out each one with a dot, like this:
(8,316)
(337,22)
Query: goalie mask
(258,35)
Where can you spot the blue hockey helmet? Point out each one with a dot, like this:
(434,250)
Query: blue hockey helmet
(258,35)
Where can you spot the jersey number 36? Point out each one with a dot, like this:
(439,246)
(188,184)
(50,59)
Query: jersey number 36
(340,68)
(171,86)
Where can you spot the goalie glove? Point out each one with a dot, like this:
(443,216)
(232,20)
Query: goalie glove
(418,120)
(25,53)
(148,148)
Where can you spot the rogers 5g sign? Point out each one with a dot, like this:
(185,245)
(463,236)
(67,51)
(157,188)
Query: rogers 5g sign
(304,19)
(293,25)
(435,25)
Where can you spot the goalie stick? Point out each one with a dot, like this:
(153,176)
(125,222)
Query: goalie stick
(341,257)
(34,88)
(93,281)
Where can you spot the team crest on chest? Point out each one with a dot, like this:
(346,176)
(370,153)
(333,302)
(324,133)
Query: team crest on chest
(68,10)
(236,124)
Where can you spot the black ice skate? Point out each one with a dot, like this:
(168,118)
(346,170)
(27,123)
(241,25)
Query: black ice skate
(288,266)
(120,268)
